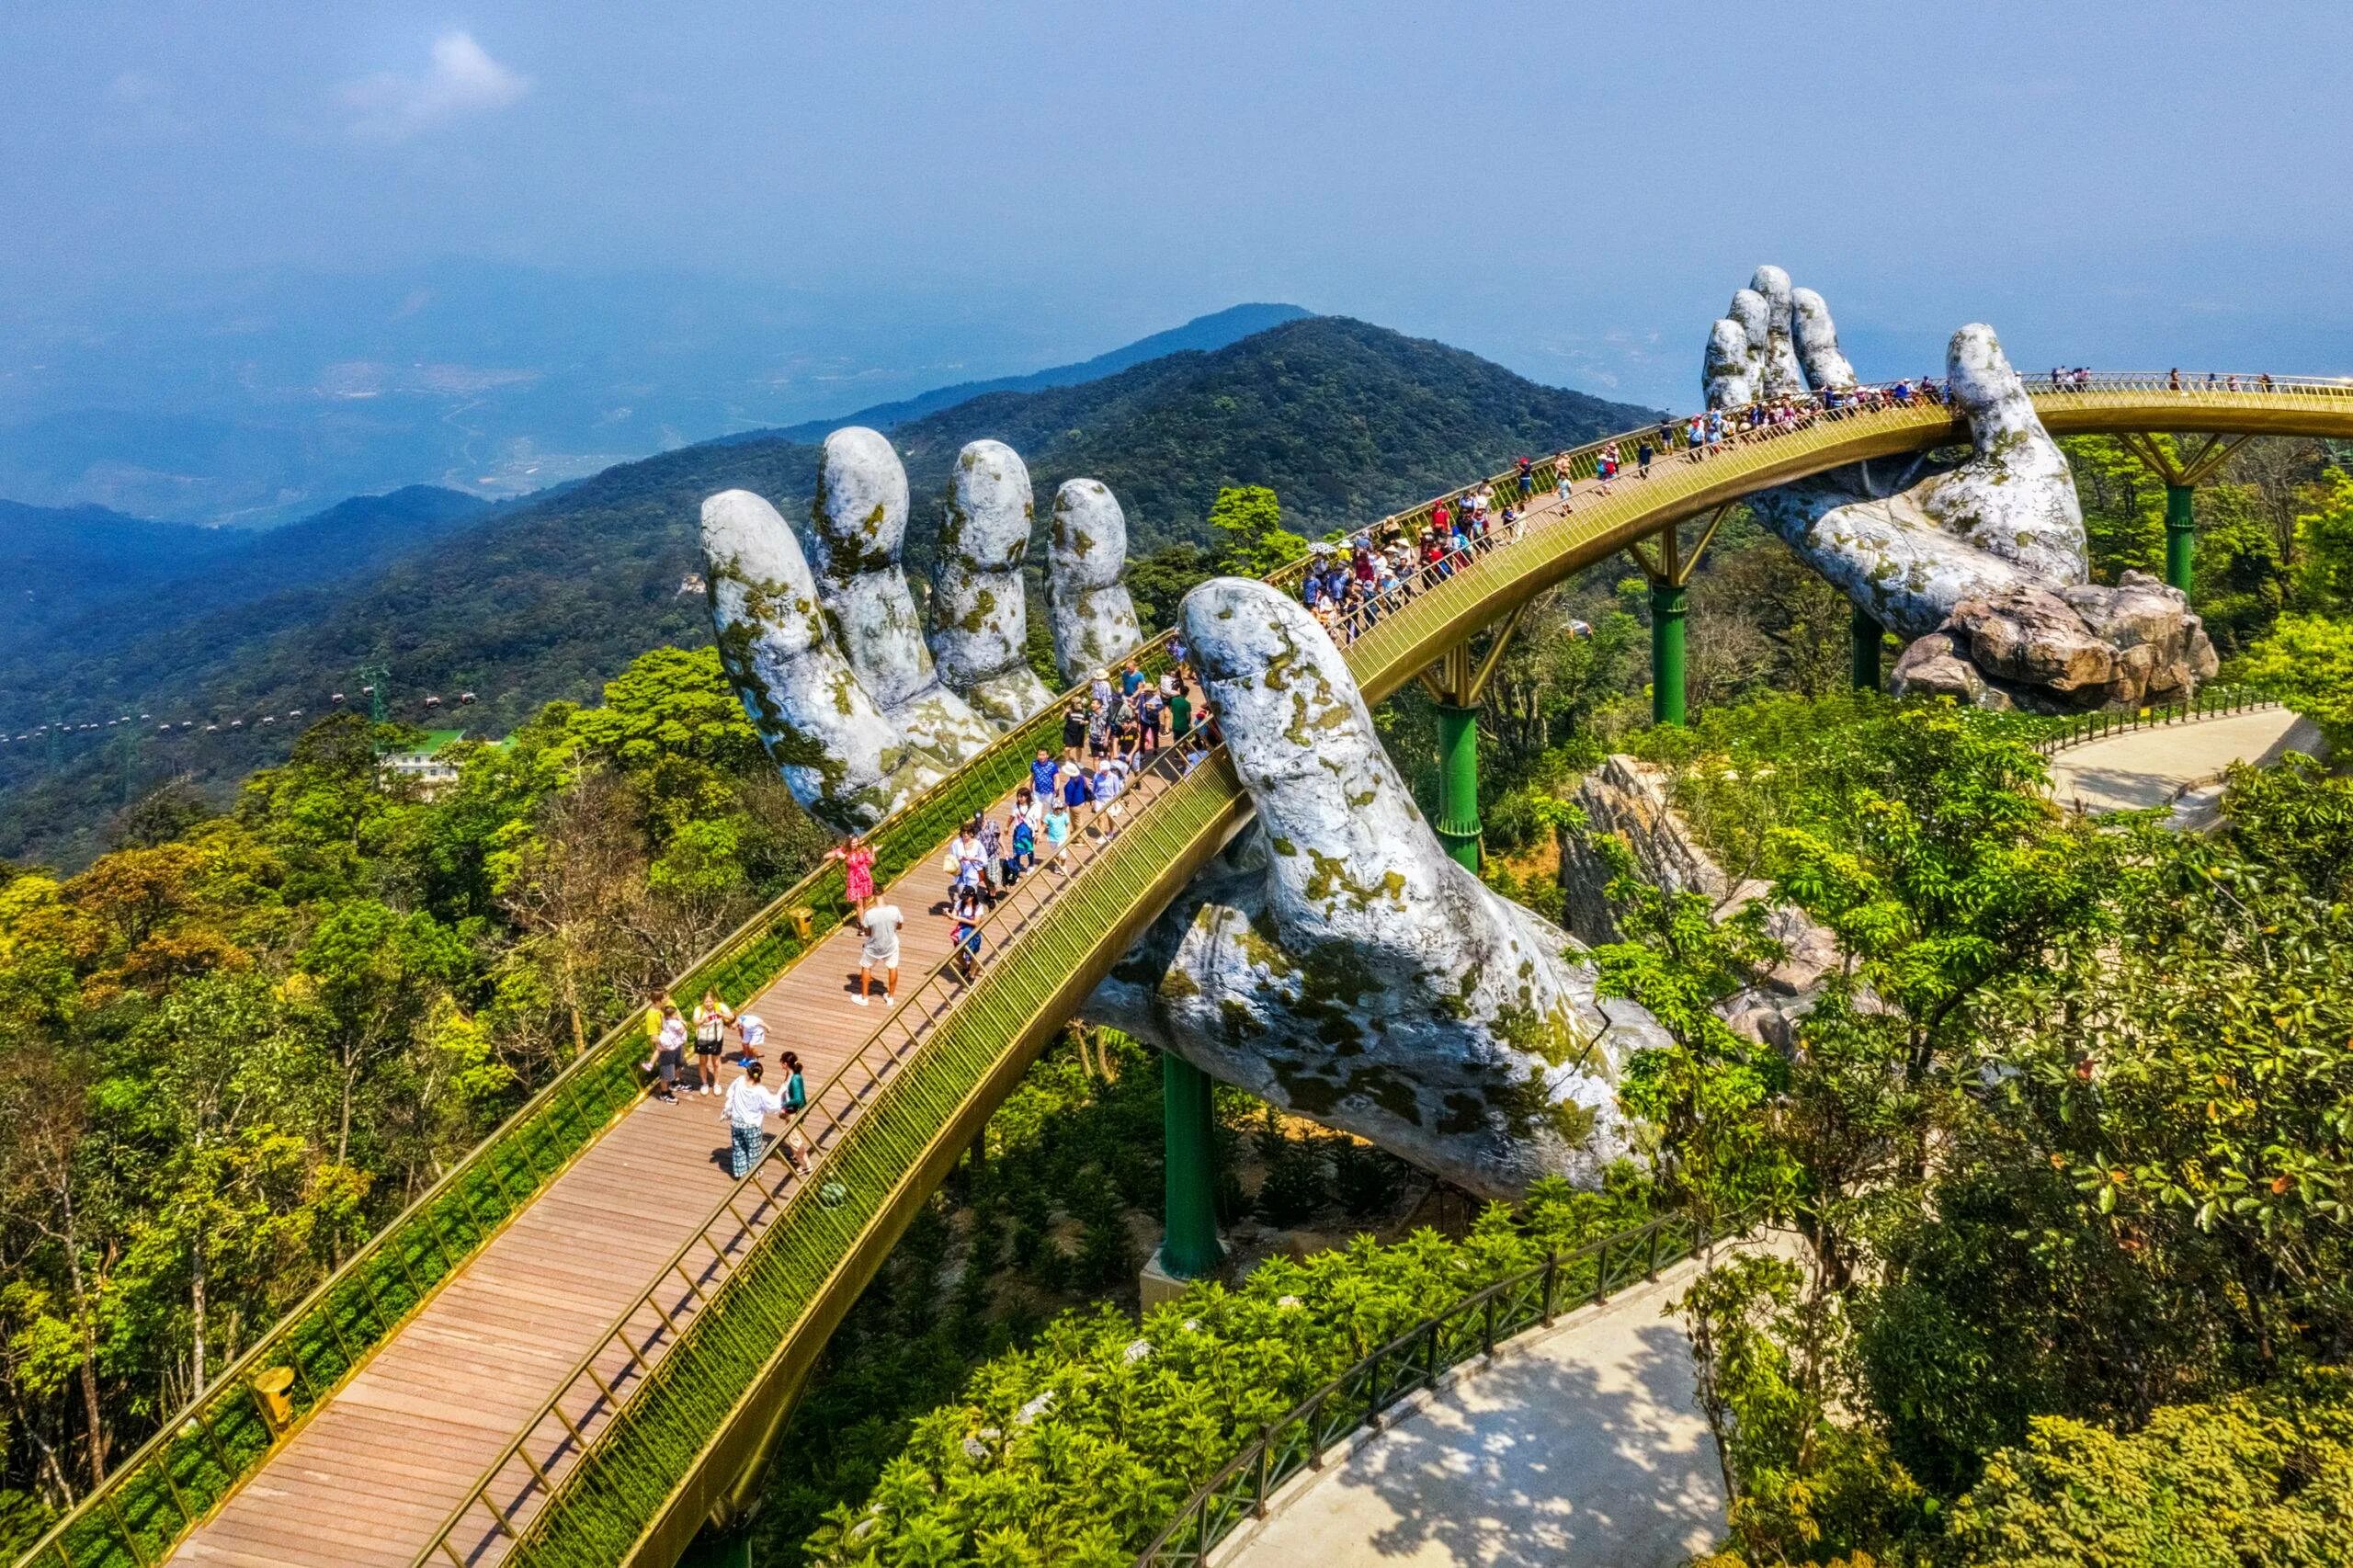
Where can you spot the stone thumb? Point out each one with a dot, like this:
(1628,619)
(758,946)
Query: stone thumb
(1351,857)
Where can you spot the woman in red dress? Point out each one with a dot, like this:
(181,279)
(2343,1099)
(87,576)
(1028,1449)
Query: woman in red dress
(858,871)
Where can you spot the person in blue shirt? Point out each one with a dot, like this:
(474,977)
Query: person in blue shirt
(1043,773)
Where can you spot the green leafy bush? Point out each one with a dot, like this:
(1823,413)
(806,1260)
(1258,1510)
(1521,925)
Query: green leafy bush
(1075,1449)
(2260,1479)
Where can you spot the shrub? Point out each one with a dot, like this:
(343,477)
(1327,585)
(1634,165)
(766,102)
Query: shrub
(2259,1480)
(1077,1448)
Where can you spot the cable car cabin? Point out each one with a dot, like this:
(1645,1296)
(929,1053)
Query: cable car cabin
(433,702)
(466,698)
(336,698)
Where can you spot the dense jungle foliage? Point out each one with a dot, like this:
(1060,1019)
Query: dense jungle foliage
(237,1043)
(2068,1139)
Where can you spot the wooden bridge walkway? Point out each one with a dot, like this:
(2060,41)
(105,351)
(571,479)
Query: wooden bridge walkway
(370,1479)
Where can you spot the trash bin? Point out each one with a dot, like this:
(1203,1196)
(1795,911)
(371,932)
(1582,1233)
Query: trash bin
(270,1391)
(803,920)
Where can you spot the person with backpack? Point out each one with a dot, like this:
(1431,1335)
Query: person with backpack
(711,1019)
(1025,850)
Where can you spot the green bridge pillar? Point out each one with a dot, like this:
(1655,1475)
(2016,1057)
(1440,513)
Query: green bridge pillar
(711,1549)
(1458,782)
(1666,652)
(1190,1249)
(2181,535)
(1868,634)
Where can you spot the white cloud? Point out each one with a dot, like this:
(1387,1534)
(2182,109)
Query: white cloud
(463,80)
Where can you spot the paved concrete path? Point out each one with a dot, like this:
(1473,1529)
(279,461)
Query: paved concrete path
(1580,1445)
(2156,767)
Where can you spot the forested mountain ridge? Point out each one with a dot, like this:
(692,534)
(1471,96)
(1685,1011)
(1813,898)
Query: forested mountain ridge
(1204,333)
(550,598)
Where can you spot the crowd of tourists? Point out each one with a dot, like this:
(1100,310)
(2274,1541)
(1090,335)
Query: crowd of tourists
(1122,728)
(1349,583)
(718,1034)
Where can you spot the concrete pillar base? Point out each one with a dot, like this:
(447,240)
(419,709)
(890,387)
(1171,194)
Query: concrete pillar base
(1156,1284)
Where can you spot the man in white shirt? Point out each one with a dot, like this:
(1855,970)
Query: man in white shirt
(881,922)
(747,1105)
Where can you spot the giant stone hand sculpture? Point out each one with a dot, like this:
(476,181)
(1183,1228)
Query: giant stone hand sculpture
(1981,564)
(1338,963)
(822,646)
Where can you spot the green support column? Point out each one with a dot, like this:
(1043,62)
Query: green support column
(1190,1249)
(1667,653)
(2181,535)
(1868,633)
(711,1549)
(1458,782)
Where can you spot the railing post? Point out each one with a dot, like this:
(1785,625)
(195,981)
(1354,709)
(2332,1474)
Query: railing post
(1650,1269)
(1430,1356)
(1601,1273)
(1266,1464)
(1487,1330)
(1552,1284)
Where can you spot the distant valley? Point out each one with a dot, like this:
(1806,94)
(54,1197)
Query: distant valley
(546,598)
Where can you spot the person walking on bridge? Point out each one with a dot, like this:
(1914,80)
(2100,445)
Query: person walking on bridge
(748,1108)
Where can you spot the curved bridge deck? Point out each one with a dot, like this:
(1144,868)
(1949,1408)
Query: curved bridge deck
(595,1377)
(416,1431)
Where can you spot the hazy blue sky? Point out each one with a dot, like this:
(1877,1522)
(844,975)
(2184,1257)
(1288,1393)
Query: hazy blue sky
(1574,189)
